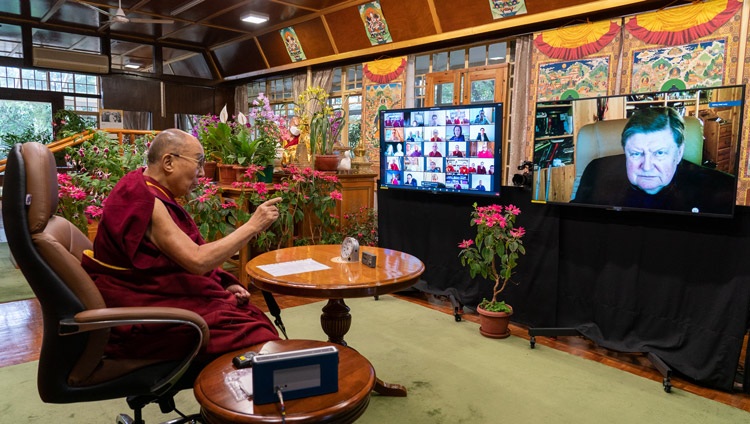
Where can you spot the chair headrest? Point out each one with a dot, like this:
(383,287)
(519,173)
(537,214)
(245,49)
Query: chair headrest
(41,184)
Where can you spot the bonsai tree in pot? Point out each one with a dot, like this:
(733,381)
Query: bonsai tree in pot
(493,255)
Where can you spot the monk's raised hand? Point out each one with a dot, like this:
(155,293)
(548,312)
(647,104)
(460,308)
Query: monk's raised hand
(266,214)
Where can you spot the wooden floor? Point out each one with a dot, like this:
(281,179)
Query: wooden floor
(21,331)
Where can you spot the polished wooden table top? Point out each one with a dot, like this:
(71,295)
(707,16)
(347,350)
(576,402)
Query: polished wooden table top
(356,381)
(394,271)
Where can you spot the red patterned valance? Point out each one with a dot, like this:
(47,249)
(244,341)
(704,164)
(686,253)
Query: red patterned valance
(385,70)
(576,42)
(681,25)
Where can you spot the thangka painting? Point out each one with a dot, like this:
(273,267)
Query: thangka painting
(503,9)
(573,79)
(375,24)
(679,67)
(293,46)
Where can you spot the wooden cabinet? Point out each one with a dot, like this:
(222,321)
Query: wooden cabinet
(717,144)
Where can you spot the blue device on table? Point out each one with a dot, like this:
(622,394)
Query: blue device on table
(298,373)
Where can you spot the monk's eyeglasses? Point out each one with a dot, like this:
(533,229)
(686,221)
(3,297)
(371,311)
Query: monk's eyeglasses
(200,162)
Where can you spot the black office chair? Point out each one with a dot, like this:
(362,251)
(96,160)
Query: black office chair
(72,365)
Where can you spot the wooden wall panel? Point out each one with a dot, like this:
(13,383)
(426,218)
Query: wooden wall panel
(239,58)
(189,99)
(468,13)
(348,30)
(411,19)
(129,93)
(312,37)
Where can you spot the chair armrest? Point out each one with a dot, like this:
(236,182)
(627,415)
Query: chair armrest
(97,319)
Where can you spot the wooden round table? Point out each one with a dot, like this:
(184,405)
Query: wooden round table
(356,381)
(394,271)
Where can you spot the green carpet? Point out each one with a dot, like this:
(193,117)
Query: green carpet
(453,374)
(12,284)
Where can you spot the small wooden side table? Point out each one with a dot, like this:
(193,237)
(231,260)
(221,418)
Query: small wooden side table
(356,381)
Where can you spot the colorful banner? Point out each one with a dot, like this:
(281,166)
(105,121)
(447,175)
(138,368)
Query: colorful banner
(293,47)
(573,79)
(681,25)
(385,70)
(375,24)
(503,9)
(576,42)
(679,67)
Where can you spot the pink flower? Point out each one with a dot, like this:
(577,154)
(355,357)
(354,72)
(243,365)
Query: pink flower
(512,210)
(336,195)
(517,232)
(465,244)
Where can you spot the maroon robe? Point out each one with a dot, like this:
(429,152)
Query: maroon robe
(130,271)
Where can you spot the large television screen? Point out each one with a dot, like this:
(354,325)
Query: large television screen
(673,151)
(448,149)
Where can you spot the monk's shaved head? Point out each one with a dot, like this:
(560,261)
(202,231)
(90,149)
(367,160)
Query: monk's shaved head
(168,141)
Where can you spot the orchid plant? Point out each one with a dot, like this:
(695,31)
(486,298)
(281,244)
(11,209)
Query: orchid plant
(321,121)
(494,251)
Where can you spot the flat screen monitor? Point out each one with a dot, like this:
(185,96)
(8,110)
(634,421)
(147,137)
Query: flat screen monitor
(673,151)
(448,149)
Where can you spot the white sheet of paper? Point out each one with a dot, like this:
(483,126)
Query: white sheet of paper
(293,267)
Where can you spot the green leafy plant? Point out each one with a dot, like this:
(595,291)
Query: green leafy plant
(305,212)
(67,123)
(97,165)
(245,140)
(215,216)
(362,225)
(321,121)
(494,251)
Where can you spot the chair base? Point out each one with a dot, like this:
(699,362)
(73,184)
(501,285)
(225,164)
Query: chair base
(190,419)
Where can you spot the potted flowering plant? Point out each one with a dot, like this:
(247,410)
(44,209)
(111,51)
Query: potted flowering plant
(214,216)
(493,254)
(97,165)
(244,140)
(305,212)
(322,123)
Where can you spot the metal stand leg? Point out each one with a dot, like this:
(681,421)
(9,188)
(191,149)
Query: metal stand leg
(660,365)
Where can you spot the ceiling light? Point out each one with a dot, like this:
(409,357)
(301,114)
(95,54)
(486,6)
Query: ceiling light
(255,18)
(185,7)
(132,66)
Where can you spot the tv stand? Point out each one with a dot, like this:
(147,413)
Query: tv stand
(657,362)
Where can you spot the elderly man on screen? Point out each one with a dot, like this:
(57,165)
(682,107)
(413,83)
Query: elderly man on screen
(652,173)
(148,252)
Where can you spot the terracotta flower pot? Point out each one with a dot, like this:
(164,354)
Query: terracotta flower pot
(209,169)
(494,324)
(326,162)
(226,173)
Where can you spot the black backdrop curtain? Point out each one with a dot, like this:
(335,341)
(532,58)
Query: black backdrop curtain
(677,286)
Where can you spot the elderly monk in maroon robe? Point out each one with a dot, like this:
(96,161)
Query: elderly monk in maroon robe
(148,252)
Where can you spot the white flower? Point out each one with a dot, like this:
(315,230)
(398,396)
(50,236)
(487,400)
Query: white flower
(241,119)
(223,115)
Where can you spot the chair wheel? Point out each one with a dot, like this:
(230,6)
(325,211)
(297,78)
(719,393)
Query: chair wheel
(124,419)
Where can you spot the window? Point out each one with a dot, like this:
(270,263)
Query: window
(346,93)
(441,61)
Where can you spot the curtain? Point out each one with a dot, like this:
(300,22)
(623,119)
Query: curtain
(136,120)
(519,118)
(241,100)
(323,79)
